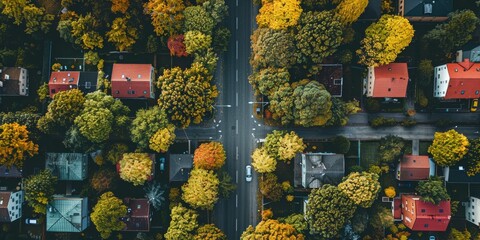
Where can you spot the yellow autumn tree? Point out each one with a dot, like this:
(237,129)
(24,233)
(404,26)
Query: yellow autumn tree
(120,5)
(135,168)
(262,162)
(15,145)
(348,11)
(448,147)
(201,189)
(384,40)
(361,188)
(390,192)
(162,139)
(289,145)
(279,14)
(121,34)
(166,15)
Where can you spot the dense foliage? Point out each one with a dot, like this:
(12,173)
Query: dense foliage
(391,148)
(106,214)
(183,223)
(39,189)
(135,168)
(209,231)
(361,188)
(209,156)
(262,162)
(279,14)
(201,189)
(15,145)
(473,157)
(146,124)
(448,147)
(433,190)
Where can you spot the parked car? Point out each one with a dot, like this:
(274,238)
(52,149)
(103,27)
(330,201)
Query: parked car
(473,107)
(248,176)
(32,221)
(162,164)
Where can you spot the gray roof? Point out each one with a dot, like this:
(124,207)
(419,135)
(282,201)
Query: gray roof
(458,174)
(67,214)
(12,171)
(67,166)
(180,167)
(439,8)
(312,170)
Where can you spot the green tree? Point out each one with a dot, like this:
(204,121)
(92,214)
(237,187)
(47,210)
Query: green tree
(183,223)
(425,72)
(270,187)
(328,210)
(341,111)
(448,147)
(95,124)
(272,48)
(75,141)
(272,143)
(267,81)
(361,188)
(64,108)
(39,189)
(220,41)
(122,34)
(217,9)
(297,221)
(201,189)
(209,156)
(85,33)
(225,185)
(454,33)
(281,104)
(341,144)
(312,104)
(384,40)
(432,191)
(187,95)
(135,168)
(458,235)
(473,157)
(197,42)
(290,144)
(349,11)
(166,15)
(207,58)
(106,214)
(197,19)
(114,152)
(209,231)
(279,14)
(391,148)
(146,124)
(319,34)
(262,162)
(381,218)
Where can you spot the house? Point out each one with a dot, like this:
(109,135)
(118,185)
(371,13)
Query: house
(66,80)
(11,205)
(138,215)
(472,210)
(425,10)
(460,80)
(180,167)
(331,76)
(10,172)
(397,209)
(388,81)
(313,170)
(415,168)
(424,216)
(67,166)
(13,81)
(458,174)
(472,52)
(67,214)
(133,81)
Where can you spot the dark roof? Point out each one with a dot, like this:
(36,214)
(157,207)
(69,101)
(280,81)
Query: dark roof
(331,76)
(139,217)
(180,167)
(67,166)
(458,174)
(312,170)
(440,8)
(373,11)
(87,82)
(10,172)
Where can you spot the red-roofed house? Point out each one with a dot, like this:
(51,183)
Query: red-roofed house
(138,215)
(424,216)
(388,81)
(397,209)
(66,80)
(459,80)
(415,168)
(133,81)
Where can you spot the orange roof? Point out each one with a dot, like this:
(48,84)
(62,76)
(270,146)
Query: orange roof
(391,80)
(423,216)
(63,81)
(464,80)
(413,168)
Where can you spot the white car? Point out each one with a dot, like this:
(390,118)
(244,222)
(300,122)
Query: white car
(248,176)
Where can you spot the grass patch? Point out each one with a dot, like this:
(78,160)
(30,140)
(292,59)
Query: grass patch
(368,153)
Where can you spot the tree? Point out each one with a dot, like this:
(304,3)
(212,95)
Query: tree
(272,143)
(341,144)
(201,189)
(281,104)
(197,42)
(290,144)
(271,229)
(154,194)
(187,95)
(384,40)
(15,145)
(197,19)
(272,48)
(297,221)
(312,104)
(225,185)
(65,107)
(85,34)
(176,45)
(122,34)
(325,28)
(75,141)
(146,124)
(279,14)
(135,168)
(208,59)
(425,72)
(217,9)
(106,214)
(267,81)
(22,11)
(162,139)
(473,157)
(166,15)
(39,189)
(209,156)
(220,41)
(209,231)
(115,152)
(328,209)
(270,188)
(262,162)
(458,235)
(95,124)
(380,219)
(103,180)
(349,11)
(454,33)
(183,223)
(120,6)
(448,147)
(341,111)
(361,188)
(390,192)
(391,148)
(432,191)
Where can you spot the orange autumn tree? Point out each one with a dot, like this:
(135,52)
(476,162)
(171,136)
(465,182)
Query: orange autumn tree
(209,156)
(176,46)
(15,145)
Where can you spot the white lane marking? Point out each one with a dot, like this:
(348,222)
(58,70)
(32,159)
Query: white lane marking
(236,200)
(236,126)
(236,49)
(236,3)
(236,224)
(236,75)
(236,99)
(236,176)
(236,23)
(236,152)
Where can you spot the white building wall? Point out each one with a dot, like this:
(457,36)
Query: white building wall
(441,79)
(23,82)
(472,211)
(370,81)
(15,205)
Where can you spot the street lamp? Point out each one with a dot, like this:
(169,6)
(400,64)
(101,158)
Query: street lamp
(263,105)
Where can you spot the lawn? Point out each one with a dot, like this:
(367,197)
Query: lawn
(368,153)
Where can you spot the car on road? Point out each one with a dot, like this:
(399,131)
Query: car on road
(162,164)
(248,176)
(473,107)
(32,221)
